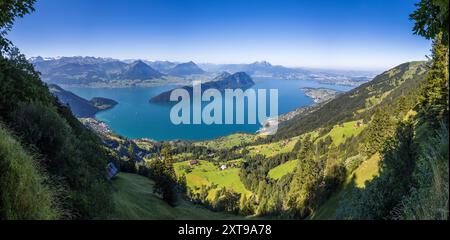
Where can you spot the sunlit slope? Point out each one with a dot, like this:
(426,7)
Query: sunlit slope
(360,102)
(365,172)
(134,200)
(283,169)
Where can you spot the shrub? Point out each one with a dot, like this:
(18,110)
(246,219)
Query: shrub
(75,157)
(429,200)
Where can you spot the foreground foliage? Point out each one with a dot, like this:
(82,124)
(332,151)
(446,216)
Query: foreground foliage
(72,156)
(24,193)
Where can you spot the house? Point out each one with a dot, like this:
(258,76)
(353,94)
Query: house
(223,167)
(193,162)
(111,170)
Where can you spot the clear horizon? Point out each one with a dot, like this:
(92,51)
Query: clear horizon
(326,34)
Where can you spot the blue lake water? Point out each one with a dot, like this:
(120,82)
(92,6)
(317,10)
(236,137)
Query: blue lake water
(135,117)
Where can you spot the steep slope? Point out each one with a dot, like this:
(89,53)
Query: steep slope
(360,102)
(342,119)
(134,200)
(23,194)
(71,155)
(81,107)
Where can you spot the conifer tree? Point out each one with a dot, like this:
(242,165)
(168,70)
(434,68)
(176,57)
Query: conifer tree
(182,185)
(168,162)
(431,19)
(434,97)
(303,188)
(9,11)
(402,107)
(379,130)
(165,178)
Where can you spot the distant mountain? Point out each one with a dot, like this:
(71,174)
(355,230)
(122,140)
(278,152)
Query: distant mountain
(161,66)
(45,65)
(81,107)
(262,68)
(266,69)
(185,69)
(88,70)
(138,70)
(221,76)
(222,82)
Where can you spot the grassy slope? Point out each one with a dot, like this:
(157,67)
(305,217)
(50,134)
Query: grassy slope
(134,200)
(272,149)
(283,169)
(365,172)
(339,133)
(24,194)
(229,141)
(206,173)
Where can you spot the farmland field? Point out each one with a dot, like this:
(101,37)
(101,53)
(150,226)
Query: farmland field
(206,173)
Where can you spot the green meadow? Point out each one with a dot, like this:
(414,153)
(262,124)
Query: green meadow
(341,132)
(275,148)
(283,169)
(207,174)
(227,142)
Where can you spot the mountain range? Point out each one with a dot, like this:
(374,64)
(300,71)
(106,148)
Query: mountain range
(88,70)
(92,70)
(262,68)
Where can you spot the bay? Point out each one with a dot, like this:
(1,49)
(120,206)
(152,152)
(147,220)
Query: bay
(134,117)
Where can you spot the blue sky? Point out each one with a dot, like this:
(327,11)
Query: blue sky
(346,34)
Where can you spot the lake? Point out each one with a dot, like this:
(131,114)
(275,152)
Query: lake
(134,117)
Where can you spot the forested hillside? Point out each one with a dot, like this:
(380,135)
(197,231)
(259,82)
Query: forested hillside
(361,102)
(405,119)
(51,166)
(330,147)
